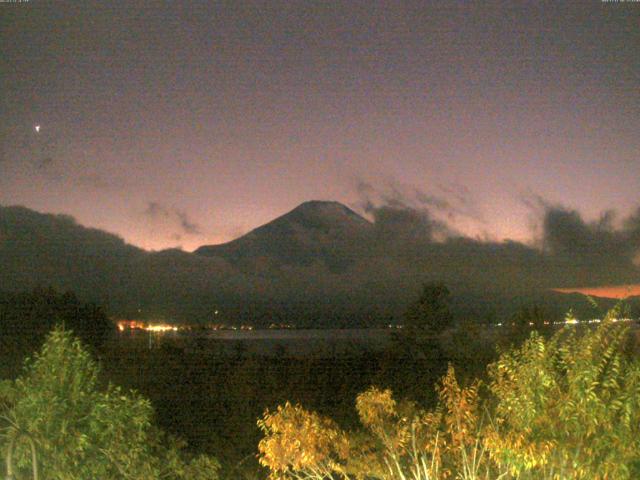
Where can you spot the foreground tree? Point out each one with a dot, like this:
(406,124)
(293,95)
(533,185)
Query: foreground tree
(300,444)
(397,441)
(568,407)
(563,408)
(57,422)
(424,322)
(27,317)
(431,313)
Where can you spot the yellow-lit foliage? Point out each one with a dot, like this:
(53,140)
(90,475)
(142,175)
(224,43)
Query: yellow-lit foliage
(376,408)
(301,444)
(401,437)
(399,441)
(568,407)
(463,450)
(423,445)
(462,410)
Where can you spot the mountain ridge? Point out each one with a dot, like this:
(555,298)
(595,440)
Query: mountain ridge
(319,265)
(313,231)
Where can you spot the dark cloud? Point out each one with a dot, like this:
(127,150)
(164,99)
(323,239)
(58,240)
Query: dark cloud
(172,218)
(433,201)
(365,190)
(536,203)
(597,252)
(396,219)
(155,210)
(458,201)
(438,211)
(567,233)
(187,224)
(568,251)
(387,261)
(401,223)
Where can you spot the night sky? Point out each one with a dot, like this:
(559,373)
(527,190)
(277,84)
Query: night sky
(184,123)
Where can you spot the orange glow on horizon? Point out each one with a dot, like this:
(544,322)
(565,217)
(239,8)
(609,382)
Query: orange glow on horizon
(609,291)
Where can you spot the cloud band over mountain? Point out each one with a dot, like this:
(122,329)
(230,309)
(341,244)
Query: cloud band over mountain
(319,262)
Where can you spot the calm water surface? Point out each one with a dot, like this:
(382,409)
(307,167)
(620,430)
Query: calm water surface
(266,342)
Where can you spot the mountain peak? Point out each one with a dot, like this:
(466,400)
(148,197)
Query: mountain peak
(327,210)
(321,205)
(313,231)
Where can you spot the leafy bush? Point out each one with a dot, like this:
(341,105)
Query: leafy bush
(563,408)
(398,440)
(568,407)
(301,444)
(57,418)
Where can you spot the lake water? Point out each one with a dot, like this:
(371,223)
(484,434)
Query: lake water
(314,342)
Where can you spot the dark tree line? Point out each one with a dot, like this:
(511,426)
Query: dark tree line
(26,318)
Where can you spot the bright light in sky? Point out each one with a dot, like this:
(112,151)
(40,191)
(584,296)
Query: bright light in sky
(269,107)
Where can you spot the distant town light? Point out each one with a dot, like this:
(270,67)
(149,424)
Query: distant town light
(161,327)
(148,327)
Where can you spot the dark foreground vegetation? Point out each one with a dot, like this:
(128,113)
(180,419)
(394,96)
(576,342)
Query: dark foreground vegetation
(548,405)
